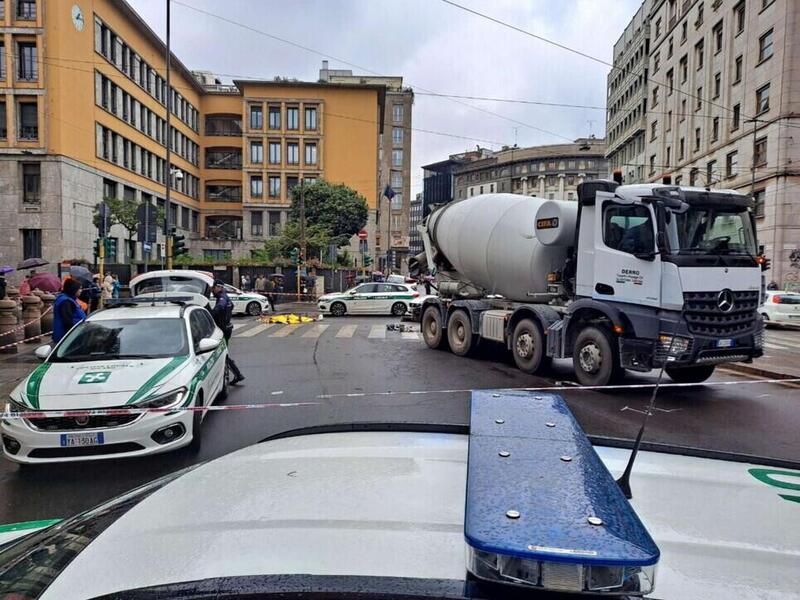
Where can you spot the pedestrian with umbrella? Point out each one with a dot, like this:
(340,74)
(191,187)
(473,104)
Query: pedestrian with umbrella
(46,282)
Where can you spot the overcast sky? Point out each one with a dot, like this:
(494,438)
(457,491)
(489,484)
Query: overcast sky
(434,46)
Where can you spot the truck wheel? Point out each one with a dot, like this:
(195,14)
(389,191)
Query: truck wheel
(527,346)
(459,333)
(694,374)
(595,359)
(431,325)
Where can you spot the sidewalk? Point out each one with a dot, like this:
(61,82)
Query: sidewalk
(783,366)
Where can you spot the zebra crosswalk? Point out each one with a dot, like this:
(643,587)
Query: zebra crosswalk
(313,331)
(782,341)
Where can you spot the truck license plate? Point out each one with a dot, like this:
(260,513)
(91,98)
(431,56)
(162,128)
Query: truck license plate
(70,440)
(726,343)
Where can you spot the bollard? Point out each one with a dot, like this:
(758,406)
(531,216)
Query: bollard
(47,312)
(13,294)
(31,316)
(8,321)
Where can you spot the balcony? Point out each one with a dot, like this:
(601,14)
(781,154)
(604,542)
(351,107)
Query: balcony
(224,125)
(224,228)
(223,193)
(224,158)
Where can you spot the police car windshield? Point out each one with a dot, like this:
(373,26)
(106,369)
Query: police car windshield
(711,230)
(124,338)
(172,283)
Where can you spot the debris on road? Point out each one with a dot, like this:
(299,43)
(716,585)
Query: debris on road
(401,327)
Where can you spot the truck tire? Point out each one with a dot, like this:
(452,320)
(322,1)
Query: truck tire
(595,358)
(696,374)
(528,347)
(459,333)
(431,326)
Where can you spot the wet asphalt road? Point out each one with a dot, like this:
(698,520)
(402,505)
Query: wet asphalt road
(349,356)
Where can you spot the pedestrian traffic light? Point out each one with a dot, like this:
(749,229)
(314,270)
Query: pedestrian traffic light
(764,262)
(367,261)
(294,255)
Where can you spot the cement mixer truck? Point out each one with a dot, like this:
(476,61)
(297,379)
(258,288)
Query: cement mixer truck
(628,277)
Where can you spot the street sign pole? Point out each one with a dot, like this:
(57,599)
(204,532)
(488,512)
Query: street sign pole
(101,256)
(145,242)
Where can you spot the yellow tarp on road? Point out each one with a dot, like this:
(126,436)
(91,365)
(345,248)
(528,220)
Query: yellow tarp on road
(290,319)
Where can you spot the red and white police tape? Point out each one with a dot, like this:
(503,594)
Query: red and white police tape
(24,325)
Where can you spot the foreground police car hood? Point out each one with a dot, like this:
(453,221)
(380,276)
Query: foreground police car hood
(391,504)
(96,384)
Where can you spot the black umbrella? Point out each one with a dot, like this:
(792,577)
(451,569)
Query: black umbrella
(32,263)
(82,274)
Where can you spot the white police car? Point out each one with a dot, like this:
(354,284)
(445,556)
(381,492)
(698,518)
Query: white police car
(245,303)
(369,298)
(136,355)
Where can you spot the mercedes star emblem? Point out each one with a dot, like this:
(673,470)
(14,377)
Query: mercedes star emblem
(725,300)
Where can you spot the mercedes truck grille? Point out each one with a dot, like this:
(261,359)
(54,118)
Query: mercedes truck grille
(705,315)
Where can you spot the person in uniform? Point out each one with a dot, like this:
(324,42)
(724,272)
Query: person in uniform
(222,311)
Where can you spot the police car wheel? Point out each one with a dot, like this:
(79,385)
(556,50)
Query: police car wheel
(253,309)
(696,374)
(338,309)
(398,309)
(197,425)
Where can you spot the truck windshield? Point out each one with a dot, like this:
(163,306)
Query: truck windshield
(710,230)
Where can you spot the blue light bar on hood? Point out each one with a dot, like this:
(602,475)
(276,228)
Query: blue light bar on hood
(542,510)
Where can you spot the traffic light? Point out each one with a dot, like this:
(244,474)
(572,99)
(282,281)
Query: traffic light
(367,261)
(178,243)
(109,246)
(97,243)
(764,262)
(294,255)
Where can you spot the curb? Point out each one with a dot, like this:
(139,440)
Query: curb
(747,369)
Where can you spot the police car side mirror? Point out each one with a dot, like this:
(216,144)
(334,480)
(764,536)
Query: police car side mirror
(207,345)
(352,292)
(42,352)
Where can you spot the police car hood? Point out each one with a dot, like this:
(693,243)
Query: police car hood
(392,505)
(97,384)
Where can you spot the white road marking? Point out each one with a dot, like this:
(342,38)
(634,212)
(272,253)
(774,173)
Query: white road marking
(256,330)
(276,393)
(239,325)
(377,331)
(411,335)
(315,331)
(284,331)
(776,346)
(346,331)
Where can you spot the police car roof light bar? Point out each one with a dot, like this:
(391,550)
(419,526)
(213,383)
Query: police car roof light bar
(542,510)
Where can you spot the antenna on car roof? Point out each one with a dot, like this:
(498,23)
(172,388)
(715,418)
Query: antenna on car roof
(624,482)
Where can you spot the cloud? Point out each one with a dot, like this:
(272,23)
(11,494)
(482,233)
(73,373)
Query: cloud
(434,46)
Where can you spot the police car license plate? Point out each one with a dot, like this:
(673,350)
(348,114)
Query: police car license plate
(70,440)
(726,343)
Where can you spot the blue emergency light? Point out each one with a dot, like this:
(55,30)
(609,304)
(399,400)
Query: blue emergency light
(542,510)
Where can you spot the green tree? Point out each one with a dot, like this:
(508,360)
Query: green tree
(123,212)
(335,207)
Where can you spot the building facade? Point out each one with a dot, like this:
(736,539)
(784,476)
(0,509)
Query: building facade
(551,172)
(86,121)
(389,219)
(414,220)
(724,97)
(626,100)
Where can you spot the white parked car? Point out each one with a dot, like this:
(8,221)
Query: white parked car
(781,308)
(245,303)
(370,298)
(133,355)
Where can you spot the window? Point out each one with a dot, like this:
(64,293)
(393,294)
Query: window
(653,130)
(717,84)
(737,69)
(670,48)
(256,152)
(274,186)
(257,223)
(2,60)
(762,99)
(737,115)
(699,98)
(699,15)
(397,135)
(274,117)
(185,217)
(628,229)
(311,118)
(274,223)
(27,65)
(3,121)
(227,193)
(311,153)
(759,198)
(256,117)
(683,109)
(224,125)
(670,81)
(711,167)
(195,221)
(658,28)
(652,164)
(765,46)
(397,179)
(397,113)
(274,153)
(669,157)
(715,129)
(717,35)
(397,202)
(26,10)
(738,17)
(669,122)
(31,243)
(655,96)
(681,148)
(397,158)
(256,186)
(28,121)
(656,62)
(698,54)
(760,152)
(684,31)
(732,164)
(292,153)
(31,183)
(693,177)
(224,158)
(683,66)
(697,139)
(293,118)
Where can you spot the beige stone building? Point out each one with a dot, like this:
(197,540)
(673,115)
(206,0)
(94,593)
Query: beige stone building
(722,93)
(552,172)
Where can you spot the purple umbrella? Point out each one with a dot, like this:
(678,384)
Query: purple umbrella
(6,269)
(47,282)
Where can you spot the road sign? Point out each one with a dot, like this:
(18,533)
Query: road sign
(362,235)
(146,214)
(147,246)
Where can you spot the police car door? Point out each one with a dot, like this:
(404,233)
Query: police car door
(362,301)
(233,295)
(626,265)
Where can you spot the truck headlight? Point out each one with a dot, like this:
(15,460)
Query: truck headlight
(168,400)
(667,345)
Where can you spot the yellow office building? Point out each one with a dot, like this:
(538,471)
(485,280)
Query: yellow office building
(83,103)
